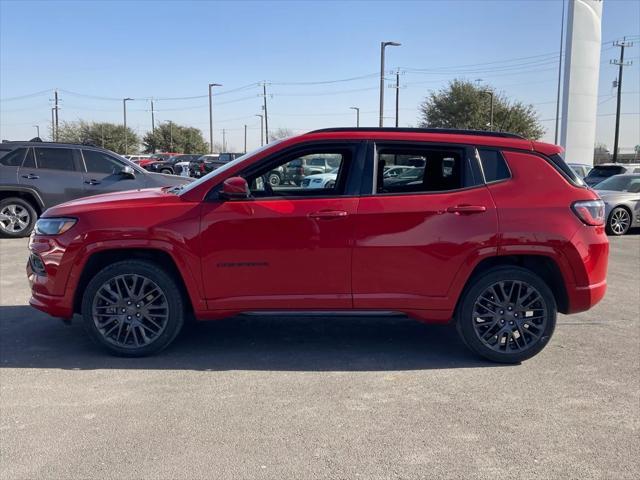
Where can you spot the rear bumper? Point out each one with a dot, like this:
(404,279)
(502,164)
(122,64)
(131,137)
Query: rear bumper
(584,298)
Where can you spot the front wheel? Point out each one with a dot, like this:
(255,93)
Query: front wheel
(133,308)
(507,314)
(619,221)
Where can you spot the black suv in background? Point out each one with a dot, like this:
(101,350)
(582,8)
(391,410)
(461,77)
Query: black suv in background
(37,175)
(168,165)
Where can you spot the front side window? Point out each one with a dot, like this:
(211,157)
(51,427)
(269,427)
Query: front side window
(99,162)
(320,173)
(55,158)
(417,169)
(13,159)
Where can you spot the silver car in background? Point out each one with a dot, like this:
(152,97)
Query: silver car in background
(621,196)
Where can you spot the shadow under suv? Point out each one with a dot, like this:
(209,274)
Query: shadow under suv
(496,235)
(35,176)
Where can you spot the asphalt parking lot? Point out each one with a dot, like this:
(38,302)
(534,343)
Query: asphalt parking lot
(367,398)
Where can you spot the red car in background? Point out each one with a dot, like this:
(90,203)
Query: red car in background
(496,235)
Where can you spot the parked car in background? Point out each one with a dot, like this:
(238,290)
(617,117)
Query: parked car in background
(138,159)
(297,170)
(606,170)
(168,165)
(321,180)
(581,169)
(497,236)
(395,170)
(209,162)
(35,176)
(407,177)
(621,197)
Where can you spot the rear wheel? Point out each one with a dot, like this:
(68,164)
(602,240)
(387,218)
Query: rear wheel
(619,221)
(507,314)
(133,308)
(17,218)
(166,170)
(274,179)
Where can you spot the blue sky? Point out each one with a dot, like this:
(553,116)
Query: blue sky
(171,49)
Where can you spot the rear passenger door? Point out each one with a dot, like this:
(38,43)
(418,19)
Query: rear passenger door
(103,175)
(416,231)
(54,172)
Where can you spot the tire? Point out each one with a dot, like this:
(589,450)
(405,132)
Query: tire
(167,170)
(274,179)
(483,314)
(121,332)
(619,221)
(17,218)
(330,184)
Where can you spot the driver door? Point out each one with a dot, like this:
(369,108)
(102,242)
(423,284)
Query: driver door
(102,175)
(284,248)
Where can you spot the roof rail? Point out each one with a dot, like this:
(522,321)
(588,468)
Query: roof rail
(454,131)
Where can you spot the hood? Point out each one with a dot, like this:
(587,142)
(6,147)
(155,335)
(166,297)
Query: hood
(128,198)
(167,180)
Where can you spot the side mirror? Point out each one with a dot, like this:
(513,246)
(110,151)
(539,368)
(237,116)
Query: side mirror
(235,188)
(127,172)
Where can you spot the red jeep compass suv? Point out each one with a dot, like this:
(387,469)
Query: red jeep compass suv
(491,232)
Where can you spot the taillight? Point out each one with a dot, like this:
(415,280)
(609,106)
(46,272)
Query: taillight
(590,212)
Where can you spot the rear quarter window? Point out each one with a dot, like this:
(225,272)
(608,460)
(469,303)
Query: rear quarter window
(494,165)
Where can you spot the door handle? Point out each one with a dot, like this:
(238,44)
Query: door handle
(31,176)
(467,209)
(92,182)
(328,214)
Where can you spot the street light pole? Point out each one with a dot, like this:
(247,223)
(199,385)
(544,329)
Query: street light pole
(357,109)
(124,111)
(490,93)
(211,116)
(37,130)
(383,45)
(245,138)
(224,140)
(261,129)
(53,126)
(397,96)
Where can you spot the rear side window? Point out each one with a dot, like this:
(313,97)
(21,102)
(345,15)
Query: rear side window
(55,158)
(493,165)
(429,169)
(98,162)
(13,159)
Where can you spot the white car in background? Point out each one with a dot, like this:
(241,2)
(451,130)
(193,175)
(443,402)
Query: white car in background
(395,170)
(321,180)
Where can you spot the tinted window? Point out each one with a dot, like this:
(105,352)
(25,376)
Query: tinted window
(605,171)
(432,169)
(99,162)
(493,164)
(13,159)
(55,158)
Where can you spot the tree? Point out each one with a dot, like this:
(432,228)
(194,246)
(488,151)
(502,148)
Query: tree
(101,134)
(463,104)
(171,137)
(280,133)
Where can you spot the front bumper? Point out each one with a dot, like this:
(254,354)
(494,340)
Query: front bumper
(54,305)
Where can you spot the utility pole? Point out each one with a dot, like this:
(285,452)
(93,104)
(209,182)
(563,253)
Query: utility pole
(153,129)
(397,96)
(53,126)
(245,138)
(124,111)
(559,78)
(102,133)
(383,45)
(261,128)
(56,107)
(357,109)
(621,63)
(266,114)
(211,116)
(224,140)
(37,130)
(490,93)
(171,135)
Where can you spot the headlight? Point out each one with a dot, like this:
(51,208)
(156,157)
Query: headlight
(54,226)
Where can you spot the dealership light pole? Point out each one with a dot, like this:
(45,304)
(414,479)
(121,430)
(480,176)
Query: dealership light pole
(124,111)
(383,45)
(37,127)
(357,109)
(261,129)
(211,116)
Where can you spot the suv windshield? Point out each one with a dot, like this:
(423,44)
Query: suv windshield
(227,166)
